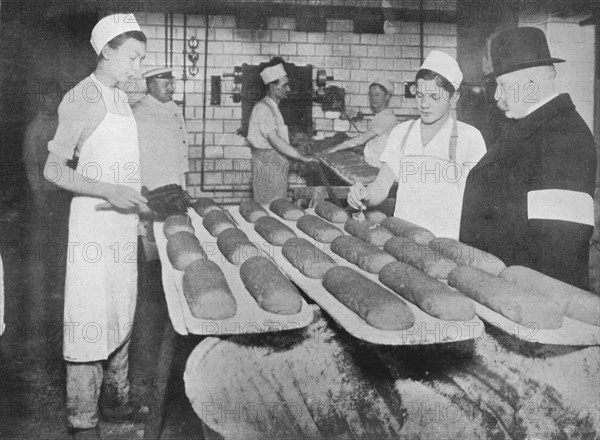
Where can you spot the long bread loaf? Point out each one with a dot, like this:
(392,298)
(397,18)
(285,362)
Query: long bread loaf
(204,205)
(183,249)
(525,308)
(429,294)
(365,255)
(406,229)
(286,209)
(307,258)
(376,305)
(216,222)
(331,212)
(236,247)
(207,292)
(318,228)
(465,255)
(577,303)
(252,210)
(177,223)
(271,289)
(368,231)
(272,230)
(420,256)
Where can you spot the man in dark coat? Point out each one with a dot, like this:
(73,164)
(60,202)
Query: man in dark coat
(529,201)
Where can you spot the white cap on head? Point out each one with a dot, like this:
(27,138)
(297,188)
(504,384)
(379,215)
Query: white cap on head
(273,73)
(111,26)
(445,65)
(383,83)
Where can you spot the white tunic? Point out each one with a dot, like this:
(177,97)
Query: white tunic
(430,184)
(163,142)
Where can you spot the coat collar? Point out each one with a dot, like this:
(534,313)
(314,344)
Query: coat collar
(523,128)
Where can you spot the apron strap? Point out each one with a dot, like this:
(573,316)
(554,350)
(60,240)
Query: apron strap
(275,116)
(453,142)
(403,142)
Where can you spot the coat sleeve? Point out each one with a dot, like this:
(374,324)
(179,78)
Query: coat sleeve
(560,204)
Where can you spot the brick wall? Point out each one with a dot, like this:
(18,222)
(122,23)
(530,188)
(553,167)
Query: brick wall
(352,59)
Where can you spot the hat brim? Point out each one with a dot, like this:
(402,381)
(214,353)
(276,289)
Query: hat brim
(526,65)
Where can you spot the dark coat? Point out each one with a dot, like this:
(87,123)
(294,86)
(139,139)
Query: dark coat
(552,148)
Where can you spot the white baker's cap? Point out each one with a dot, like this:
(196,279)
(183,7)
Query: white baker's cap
(445,65)
(111,26)
(383,83)
(273,73)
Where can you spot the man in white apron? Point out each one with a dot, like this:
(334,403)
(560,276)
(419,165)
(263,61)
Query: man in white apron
(430,157)
(268,136)
(96,121)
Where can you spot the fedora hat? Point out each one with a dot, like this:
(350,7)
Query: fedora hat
(520,48)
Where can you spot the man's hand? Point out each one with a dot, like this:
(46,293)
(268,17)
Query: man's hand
(357,194)
(125,197)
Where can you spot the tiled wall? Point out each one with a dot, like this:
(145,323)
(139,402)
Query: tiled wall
(352,59)
(575,44)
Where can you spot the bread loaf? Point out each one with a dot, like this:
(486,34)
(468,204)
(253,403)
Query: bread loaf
(368,231)
(216,222)
(378,306)
(177,223)
(577,303)
(271,289)
(465,255)
(420,256)
(207,292)
(375,216)
(406,229)
(184,248)
(318,228)
(204,205)
(365,255)
(331,212)
(272,230)
(525,308)
(307,258)
(286,209)
(236,247)
(252,211)
(429,294)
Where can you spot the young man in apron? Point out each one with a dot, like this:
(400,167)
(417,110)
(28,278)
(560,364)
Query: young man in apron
(430,158)
(268,136)
(97,125)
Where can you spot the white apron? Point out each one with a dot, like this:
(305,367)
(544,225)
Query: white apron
(101,283)
(429,190)
(270,169)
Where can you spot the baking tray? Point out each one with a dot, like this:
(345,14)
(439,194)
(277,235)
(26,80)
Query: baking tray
(572,332)
(426,330)
(364,173)
(249,318)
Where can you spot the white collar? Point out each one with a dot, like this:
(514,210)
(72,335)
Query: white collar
(537,105)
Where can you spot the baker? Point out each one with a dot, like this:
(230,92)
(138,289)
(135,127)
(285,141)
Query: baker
(268,136)
(380,93)
(96,125)
(163,140)
(529,201)
(429,157)
(162,132)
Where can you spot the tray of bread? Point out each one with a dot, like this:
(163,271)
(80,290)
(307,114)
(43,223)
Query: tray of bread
(520,301)
(531,306)
(211,288)
(307,248)
(350,167)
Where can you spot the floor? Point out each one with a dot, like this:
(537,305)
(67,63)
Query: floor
(32,373)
